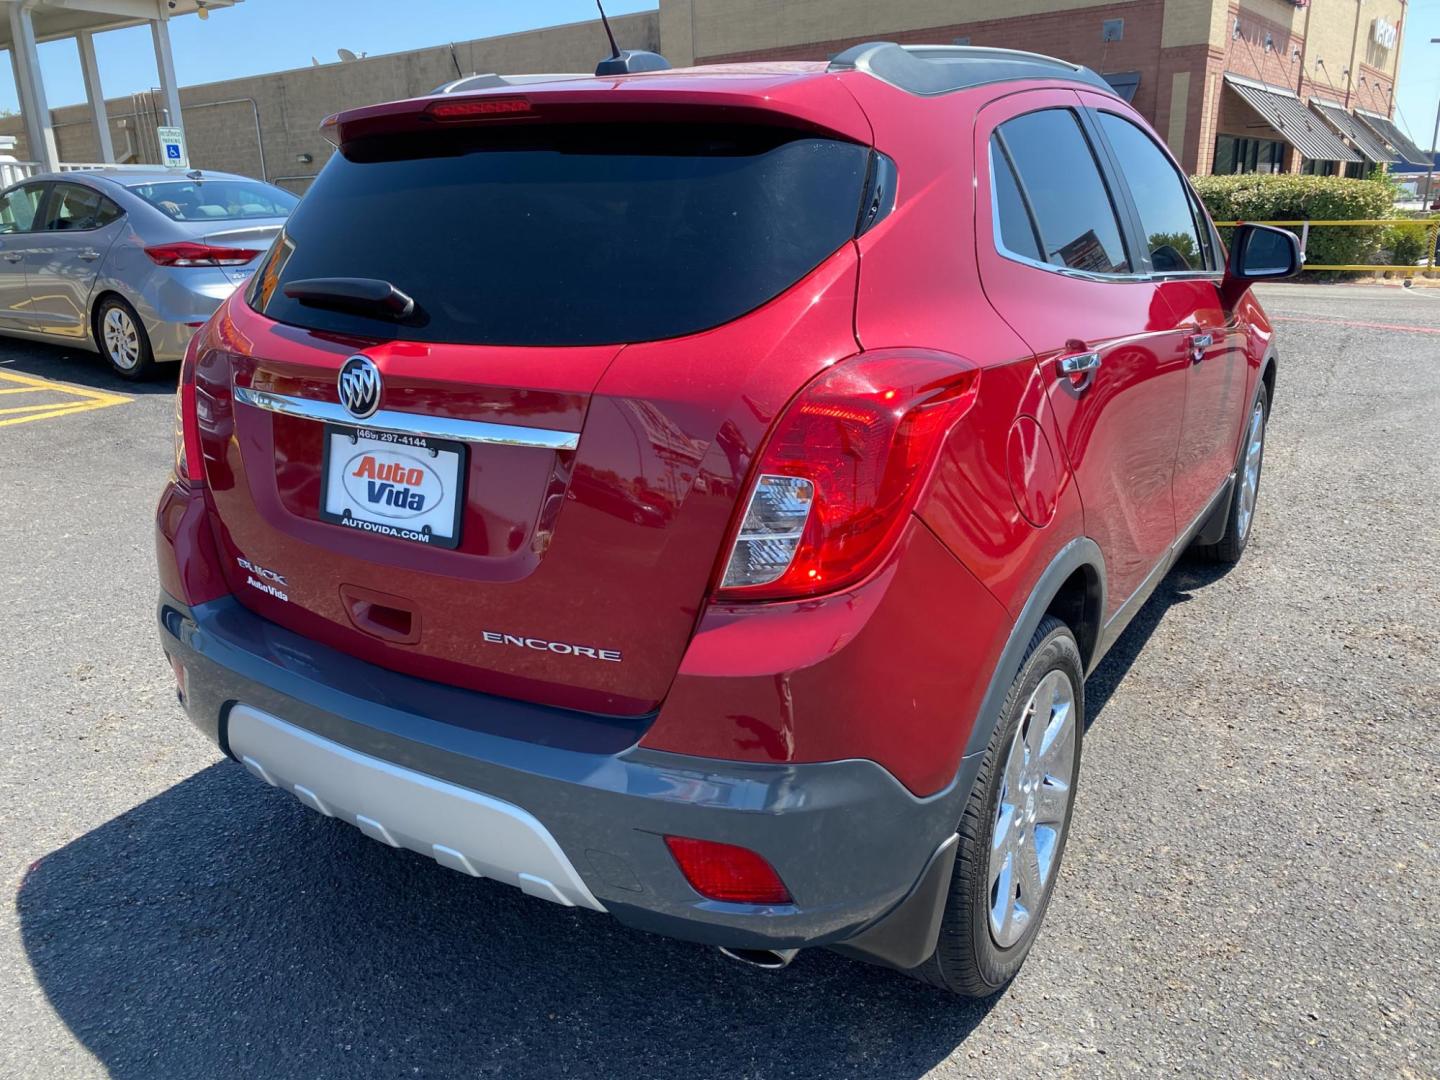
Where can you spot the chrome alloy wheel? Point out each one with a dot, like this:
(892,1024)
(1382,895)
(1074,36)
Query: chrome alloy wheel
(1035,794)
(122,339)
(1250,471)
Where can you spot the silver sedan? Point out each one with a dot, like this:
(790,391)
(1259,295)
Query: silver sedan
(129,262)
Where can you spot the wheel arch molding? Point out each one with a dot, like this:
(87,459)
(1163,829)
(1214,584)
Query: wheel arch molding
(1079,563)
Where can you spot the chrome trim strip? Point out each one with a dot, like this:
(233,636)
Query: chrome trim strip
(403,423)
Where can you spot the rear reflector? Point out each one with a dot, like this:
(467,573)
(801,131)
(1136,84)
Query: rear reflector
(478,108)
(726,872)
(186,253)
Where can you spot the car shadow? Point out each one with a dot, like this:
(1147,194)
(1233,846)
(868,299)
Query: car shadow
(67,364)
(220,930)
(1175,588)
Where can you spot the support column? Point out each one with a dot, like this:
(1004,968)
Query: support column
(95,95)
(39,129)
(165,64)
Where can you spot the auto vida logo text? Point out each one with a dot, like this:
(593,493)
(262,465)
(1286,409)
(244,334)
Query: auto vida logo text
(392,484)
(267,581)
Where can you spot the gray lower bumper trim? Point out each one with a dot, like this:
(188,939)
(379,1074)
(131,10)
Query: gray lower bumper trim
(458,828)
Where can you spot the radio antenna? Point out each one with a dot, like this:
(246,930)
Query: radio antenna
(614,49)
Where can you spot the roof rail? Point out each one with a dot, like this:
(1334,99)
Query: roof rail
(941,69)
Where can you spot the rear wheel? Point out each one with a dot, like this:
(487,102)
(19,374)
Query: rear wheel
(1247,489)
(1015,824)
(122,339)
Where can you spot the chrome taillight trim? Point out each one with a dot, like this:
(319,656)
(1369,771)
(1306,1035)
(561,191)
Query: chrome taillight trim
(403,423)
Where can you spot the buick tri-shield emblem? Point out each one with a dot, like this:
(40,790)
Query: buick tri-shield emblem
(360,386)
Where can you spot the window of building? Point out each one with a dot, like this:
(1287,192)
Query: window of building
(1242,154)
(1058,178)
(1161,196)
(1311,167)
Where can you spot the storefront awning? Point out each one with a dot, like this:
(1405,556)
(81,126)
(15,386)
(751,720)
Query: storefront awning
(1365,140)
(1397,139)
(1124,83)
(1292,121)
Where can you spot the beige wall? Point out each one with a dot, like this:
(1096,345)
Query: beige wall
(292,103)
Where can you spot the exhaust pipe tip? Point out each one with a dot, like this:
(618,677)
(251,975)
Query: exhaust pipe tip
(769,959)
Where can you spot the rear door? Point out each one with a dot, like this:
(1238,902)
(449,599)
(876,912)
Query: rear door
(77,227)
(1058,266)
(604,320)
(19,218)
(1185,266)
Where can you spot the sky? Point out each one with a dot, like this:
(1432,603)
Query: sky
(257,36)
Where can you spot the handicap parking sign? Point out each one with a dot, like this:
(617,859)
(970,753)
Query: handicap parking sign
(172,147)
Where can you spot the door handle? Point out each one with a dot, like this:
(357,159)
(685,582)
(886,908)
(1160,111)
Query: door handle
(13,256)
(1085,364)
(1199,343)
(1074,365)
(89,254)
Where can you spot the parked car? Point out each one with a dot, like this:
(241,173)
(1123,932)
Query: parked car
(129,262)
(925,364)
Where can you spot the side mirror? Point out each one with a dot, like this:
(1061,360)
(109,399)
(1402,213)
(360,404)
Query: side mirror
(1259,253)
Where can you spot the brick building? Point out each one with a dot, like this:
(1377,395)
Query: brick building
(1270,85)
(1233,85)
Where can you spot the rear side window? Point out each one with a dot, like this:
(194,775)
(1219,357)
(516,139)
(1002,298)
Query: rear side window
(1016,225)
(566,235)
(1057,175)
(1167,213)
(74,208)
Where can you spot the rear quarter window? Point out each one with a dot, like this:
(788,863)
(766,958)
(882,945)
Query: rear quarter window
(604,234)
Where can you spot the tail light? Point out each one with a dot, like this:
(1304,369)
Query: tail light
(726,872)
(841,471)
(189,465)
(192,254)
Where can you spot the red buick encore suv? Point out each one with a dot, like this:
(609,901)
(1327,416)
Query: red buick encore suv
(699,496)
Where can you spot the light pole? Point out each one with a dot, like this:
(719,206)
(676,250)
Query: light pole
(1434,145)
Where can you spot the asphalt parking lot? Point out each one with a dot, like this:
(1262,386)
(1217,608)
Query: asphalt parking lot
(1250,887)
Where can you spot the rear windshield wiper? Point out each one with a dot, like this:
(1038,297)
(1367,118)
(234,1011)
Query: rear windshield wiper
(364,296)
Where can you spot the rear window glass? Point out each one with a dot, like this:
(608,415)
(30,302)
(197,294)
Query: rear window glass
(216,200)
(568,236)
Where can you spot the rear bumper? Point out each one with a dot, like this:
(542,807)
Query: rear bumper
(563,805)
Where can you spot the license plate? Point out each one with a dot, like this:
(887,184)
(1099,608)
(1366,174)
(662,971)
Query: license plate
(404,486)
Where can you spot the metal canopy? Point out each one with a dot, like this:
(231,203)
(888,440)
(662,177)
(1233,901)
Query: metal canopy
(1294,123)
(1365,140)
(55,19)
(1397,139)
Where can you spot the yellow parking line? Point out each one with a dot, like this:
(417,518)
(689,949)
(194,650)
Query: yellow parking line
(44,405)
(82,398)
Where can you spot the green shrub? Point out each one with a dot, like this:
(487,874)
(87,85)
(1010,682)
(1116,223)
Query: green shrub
(1406,242)
(1283,197)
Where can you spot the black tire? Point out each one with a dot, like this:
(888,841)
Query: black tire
(967,959)
(1238,524)
(134,360)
